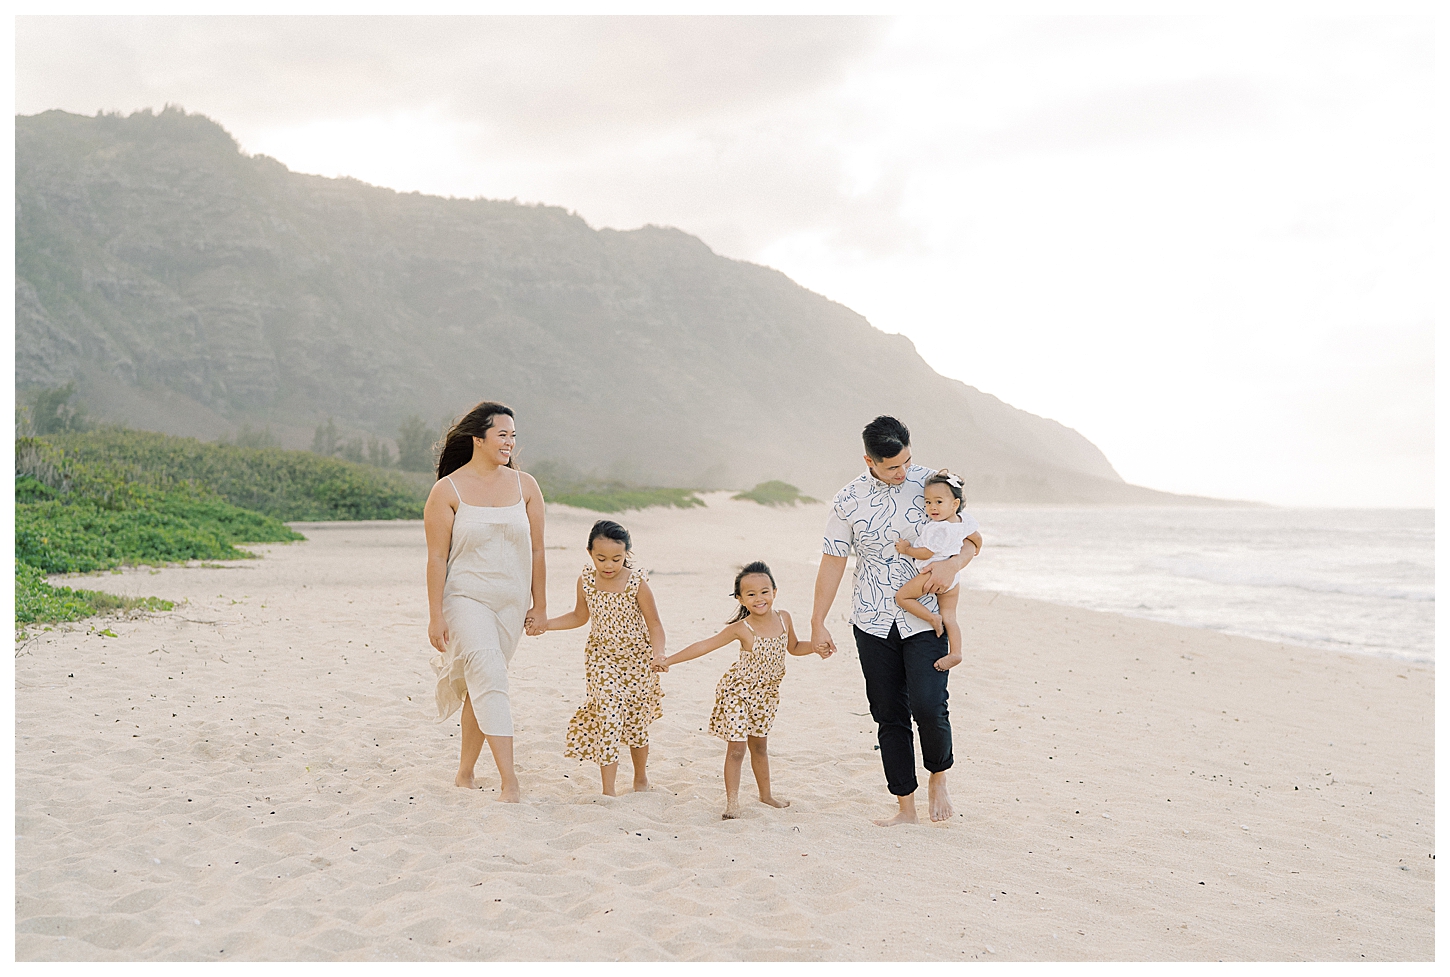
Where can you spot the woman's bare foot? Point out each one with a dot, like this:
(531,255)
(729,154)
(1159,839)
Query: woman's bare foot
(939,804)
(947,661)
(905,815)
(936,624)
(773,802)
(642,784)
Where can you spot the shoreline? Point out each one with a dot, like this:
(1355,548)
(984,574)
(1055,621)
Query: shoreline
(1105,767)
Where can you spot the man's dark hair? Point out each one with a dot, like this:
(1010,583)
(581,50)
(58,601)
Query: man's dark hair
(885,437)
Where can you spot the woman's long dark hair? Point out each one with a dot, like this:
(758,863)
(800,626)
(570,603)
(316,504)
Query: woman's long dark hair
(458,442)
(757,567)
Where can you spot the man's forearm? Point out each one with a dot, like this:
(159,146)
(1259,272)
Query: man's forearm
(828,582)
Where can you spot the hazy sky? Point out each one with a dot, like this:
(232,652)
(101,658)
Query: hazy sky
(1205,243)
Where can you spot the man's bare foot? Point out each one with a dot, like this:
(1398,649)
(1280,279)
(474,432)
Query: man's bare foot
(467,782)
(901,817)
(905,815)
(939,804)
(774,803)
(937,625)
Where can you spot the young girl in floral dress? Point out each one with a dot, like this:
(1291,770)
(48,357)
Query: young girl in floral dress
(626,642)
(749,692)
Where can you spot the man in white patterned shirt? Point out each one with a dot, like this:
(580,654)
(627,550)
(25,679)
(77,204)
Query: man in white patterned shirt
(898,651)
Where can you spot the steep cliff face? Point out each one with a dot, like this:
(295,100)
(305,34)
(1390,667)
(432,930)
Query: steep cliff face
(158,265)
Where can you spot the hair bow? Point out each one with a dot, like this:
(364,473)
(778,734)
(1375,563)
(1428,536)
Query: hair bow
(955,481)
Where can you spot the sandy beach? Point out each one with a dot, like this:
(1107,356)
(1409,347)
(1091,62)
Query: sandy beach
(258,775)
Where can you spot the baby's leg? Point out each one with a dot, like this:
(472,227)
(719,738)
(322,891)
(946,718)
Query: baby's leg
(734,759)
(906,599)
(948,604)
(760,766)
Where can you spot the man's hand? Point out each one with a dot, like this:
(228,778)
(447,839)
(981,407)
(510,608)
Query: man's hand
(821,641)
(942,575)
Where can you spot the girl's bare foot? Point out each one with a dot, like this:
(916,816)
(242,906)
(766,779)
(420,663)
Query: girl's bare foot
(947,661)
(774,803)
(467,782)
(937,625)
(732,811)
(508,792)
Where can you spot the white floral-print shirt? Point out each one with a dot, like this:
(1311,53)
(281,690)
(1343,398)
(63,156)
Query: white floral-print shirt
(869,516)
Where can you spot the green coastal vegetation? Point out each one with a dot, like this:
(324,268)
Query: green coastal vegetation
(90,500)
(566,485)
(775,493)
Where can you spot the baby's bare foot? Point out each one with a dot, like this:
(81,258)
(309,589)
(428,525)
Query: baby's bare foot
(773,802)
(947,661)
(937,625)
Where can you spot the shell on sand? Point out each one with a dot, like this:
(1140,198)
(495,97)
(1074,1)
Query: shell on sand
(257,775)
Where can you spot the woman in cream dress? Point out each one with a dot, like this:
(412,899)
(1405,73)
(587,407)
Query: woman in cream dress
(485,526)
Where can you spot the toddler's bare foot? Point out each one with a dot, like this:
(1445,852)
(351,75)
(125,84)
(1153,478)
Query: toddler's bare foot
(466,782)
(774,803)
(937,625)
(947,661)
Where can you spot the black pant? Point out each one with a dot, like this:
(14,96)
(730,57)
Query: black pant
(902,684)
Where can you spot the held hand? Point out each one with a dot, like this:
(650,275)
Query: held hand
(821,641)
(659,664)
(438,634)
(535,623)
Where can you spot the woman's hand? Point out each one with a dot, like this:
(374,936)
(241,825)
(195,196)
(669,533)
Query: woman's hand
(438,634)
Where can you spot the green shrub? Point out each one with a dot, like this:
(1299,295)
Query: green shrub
(37,601)
(287,485)
(618,500)
(774,493)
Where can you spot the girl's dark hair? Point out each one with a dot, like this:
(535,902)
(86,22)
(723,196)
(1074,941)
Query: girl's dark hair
(885,437)
(945,477)
(609,529)
(757,567)
(458,442)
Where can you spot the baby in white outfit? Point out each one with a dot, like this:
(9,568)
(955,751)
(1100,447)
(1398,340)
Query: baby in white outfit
(940,539)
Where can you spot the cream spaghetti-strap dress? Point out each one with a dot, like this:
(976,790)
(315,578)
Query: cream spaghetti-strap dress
(485,597)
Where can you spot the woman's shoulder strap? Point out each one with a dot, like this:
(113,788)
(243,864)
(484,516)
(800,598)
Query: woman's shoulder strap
(456,494)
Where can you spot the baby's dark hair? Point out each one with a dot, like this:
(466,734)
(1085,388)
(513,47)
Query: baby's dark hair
(756,567)
(609,529)
(952,482)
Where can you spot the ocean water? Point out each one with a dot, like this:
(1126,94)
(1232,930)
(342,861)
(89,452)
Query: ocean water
(1347,580)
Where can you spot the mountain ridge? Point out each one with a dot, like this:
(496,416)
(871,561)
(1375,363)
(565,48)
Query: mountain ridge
(190,288)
